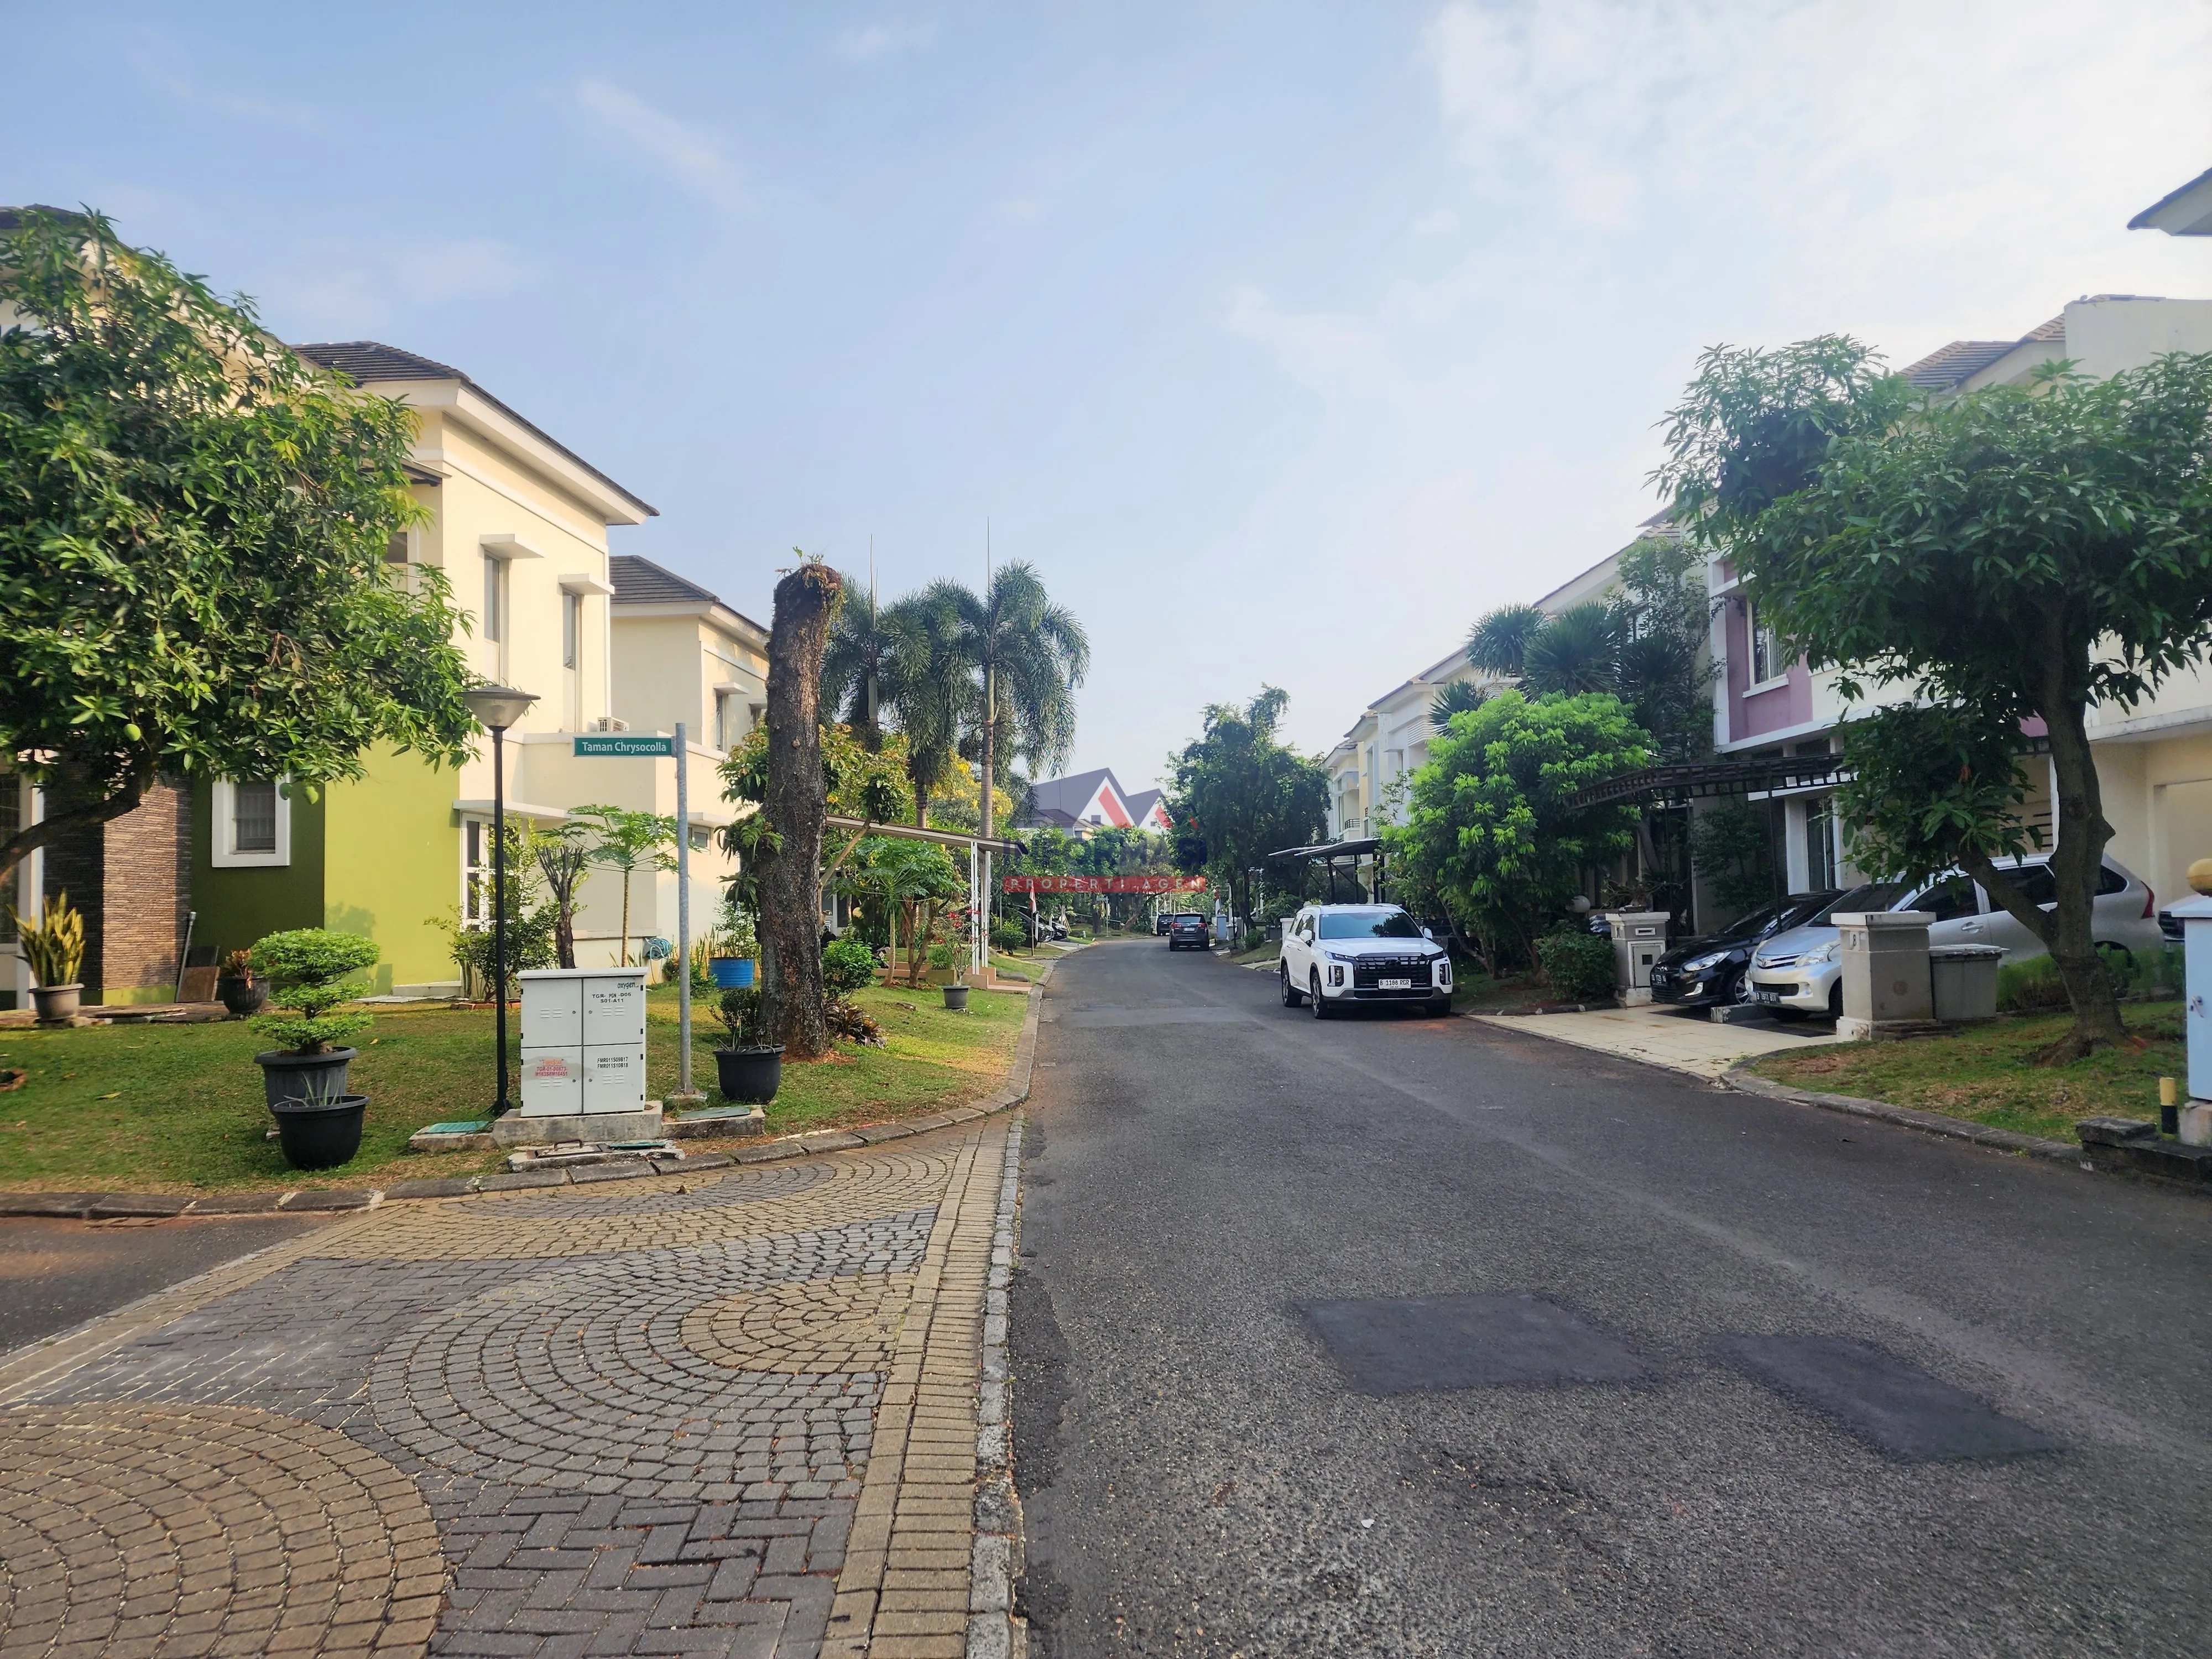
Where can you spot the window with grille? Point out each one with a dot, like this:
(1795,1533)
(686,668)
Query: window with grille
(572,628)
(253,818)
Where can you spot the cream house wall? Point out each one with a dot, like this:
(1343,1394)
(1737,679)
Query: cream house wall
(668,660)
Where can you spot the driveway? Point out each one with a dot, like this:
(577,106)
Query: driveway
(1393,1336)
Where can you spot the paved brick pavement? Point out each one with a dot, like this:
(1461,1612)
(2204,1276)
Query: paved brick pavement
(731,1414)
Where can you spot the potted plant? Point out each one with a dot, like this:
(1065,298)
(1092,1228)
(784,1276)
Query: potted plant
(946,959)
(732,950)
(319,1130)
(237,988)
(54,948)
(307,969)
(749,1069)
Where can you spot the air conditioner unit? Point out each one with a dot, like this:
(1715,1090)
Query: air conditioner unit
(609,723)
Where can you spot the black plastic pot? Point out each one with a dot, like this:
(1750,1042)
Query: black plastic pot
(750,1077)
(288,1075)
(319,1134)
(241,996)
(956,999)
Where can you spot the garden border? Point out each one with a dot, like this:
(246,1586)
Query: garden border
(102,1206)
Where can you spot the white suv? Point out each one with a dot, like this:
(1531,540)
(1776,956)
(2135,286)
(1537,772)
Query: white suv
(1335,955)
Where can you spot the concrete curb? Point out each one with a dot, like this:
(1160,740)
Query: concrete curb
(1905,1117)
(994,1631)
(97,1206)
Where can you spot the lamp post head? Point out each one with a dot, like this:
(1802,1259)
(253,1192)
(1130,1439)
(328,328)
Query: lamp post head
(497,707)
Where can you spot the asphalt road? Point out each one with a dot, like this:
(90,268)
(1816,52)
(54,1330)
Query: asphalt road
(55,1274)
(1201,1476)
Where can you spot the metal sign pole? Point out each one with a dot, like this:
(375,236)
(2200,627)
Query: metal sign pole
(682,916)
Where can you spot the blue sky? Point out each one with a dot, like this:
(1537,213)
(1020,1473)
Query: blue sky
(1284,339)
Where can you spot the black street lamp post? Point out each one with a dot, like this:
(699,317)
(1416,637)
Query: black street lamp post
(496,707)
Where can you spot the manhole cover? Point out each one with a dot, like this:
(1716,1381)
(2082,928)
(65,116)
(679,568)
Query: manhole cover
(1404,1345)
(1904,1412)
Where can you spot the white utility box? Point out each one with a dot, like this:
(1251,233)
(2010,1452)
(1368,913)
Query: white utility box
(583,1041)
(1639,939)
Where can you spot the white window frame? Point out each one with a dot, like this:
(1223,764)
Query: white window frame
(222,827)
(1751,630)
(481,872)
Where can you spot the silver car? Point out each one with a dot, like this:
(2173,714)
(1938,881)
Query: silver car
(1800,973)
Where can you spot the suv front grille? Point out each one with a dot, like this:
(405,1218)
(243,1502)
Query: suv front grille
(1368,971)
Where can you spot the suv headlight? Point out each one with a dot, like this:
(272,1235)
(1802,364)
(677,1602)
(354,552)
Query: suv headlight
(1442,969)
(1828,952)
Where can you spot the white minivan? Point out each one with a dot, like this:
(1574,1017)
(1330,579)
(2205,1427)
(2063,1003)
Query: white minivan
(1800,973)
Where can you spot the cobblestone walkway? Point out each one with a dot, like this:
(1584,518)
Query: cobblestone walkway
(730,1413)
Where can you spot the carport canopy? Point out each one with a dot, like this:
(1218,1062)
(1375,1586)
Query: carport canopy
(1329,855)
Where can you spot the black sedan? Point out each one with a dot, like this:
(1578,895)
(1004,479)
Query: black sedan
(1699,973)
(1189,928)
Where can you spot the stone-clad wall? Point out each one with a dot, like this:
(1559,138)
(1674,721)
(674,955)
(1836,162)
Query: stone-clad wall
(132,881)
(148,891)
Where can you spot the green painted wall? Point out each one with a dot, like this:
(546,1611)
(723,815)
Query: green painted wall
(237,906)
(393,863)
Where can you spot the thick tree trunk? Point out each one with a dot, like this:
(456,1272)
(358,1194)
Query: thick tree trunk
(2077,858)
(790,884)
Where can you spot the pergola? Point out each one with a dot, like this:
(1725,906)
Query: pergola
(979,926)
(1333,853)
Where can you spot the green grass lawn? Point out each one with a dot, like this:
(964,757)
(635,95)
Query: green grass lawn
(169,1108)
(1987,1074)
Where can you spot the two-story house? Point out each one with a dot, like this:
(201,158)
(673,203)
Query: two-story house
(2154,763)
(517,522)
(681,654)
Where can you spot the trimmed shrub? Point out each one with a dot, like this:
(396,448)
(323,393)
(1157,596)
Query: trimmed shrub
(846,966)
(308,970)
(1578,965)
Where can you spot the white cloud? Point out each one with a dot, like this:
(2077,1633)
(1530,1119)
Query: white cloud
(692,155)
(1655,178)
(341,286)
(163,66)
(874,40)
(1437,223)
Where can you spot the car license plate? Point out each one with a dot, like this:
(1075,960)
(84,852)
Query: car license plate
(1395,984)
(1762,995)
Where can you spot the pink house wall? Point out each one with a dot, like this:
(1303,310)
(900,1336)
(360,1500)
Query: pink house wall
(1751,714)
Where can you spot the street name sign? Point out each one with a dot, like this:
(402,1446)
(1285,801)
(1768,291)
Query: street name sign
(625,742)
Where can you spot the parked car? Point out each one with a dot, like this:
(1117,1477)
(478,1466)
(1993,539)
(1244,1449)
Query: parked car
(1189,928)
(1800,973)
(1335,955)
(1700,972)
(1160,924)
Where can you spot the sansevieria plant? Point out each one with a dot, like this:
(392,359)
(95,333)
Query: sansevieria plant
(54,946)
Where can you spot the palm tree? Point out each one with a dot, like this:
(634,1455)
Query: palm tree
(1456,698)
(1576,651)
(857,665)
(925,687)
(1024,655)
(1497,644)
